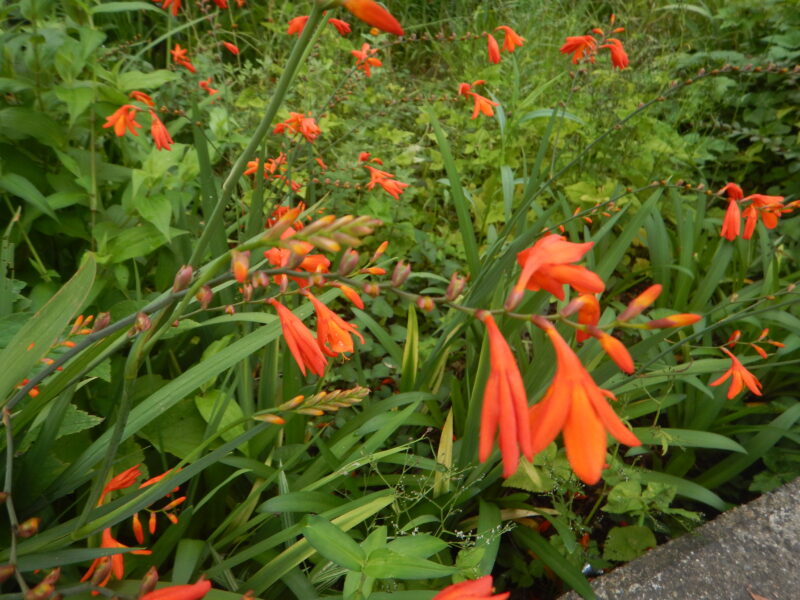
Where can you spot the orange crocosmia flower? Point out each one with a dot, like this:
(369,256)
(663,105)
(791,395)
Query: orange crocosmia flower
(333,332)
(580,46)
(299,123)
(365,58)
(588,314)
(117,560)
(769,207)
(575,404)
(616,350)
(476,589)
(642,301)
(740,377)
(123,119)
(223,4)
(138,530)
(679,320)
(387,181)
(232,48)
(240,265)
(546,265)
(205,84)
(297,25)
(351,295)
(194,591)
(343,27)
(732,223)
(619,58)
(482,104)
(120,482)
(300,340)
(512,39)
(374,14)
(733,191)
(179,57)
(505,404)
(176,5)
(160,133)
(493,49)
(142,97)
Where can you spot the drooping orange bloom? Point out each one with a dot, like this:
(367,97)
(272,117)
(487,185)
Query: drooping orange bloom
(769,208)
(733,191)
(616,350)
(588,314)
(481,104)
(297,25)
(512,39)
(142,97)
(740,377)
(176,5)
(311,263)
(476,589)
(387,181)
(123,119)
(580,46)
(505,404)
(546,265)
(160,133)
(351,295)
(117,560)
(194,591)
(232,48)
(300,340)
(333,332)
(299,123)
(619,58)
(343,27)
(576,405)
(374,14)
(493,49)
(365,59)
(120,482)
(180,57)
(240,265)
(732,223)
(642,301)
(205,84)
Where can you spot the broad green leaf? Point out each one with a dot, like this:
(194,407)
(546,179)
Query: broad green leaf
(136,80)
(686,438)
(211,403)
(17,185)
(17,122)
(157,210)
(420,545)
(333,544)
(627,543)
(383,563)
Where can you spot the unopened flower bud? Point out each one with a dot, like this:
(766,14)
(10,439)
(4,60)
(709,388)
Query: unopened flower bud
(230,310)
(425,303)
(40,592)
(326,244)
(320,224)
(143,322)
(372,289)
(269,418)
(6,571)
(457,283)
(642,301)
(149,582)
(102,321)
(348,263)
(345,238)
(29,527)
(240,265)
(379,252)
(679,320)
(103,570)
(283,223)
(293,403)
(247,292)
(260,279)
(182,278)
(294,260)
(401,273)
(514,298)
(53,576)
(204,296)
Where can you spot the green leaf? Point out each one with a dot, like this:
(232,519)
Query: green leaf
(301,502)
(627,543)
(114,7)
(334,544)
(410,352)
(18,123)
(136,80)
(35,339)
(687,438)
(421,545)
(77,96)
(210,403)
(386,564)
(17,185)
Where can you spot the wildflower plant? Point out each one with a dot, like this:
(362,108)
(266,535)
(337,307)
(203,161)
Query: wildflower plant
(297,368)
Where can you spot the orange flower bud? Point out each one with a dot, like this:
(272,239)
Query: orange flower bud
(240,264)
(138,531)
(642,301)
(149,581)
(733,339)
(679,320)
(173,519)
(348,263)
(401,273)
(425,303)
(193,591)
(29,527)
(151,525)
(182,278)
(268,418)
(174,503)
(6,571)
(204,296)
(41,592)
(352,295)
(514,298)
(372,289)
(379,252)
(616,350)
(456,286)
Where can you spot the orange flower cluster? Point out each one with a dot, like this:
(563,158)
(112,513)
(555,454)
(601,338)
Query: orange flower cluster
(272,170)
(365,58)
(180,57)
(739,377)
(299,123)
(584,47)
(124,120)
(768,208)
(481,103)
(510,43)
(298,24)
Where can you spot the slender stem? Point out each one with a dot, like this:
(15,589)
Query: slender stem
(7,488)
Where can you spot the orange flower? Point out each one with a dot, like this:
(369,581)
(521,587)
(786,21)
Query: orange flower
(205,84)
(179,57)
(504,403)
(142,97)
(159,132)
(741,377)
(120,482)
(546,265)
(300,341)
(642,301)
(124,118)
(616,350)
(619,58)
(297,25)
(575,404)
(769,207)
(365,60)
(476,589)
(117,560)
(512,39)
(351,295)
(733,191)
(387,181)
(581,46)
(679,320)
(240,265)
(493,49)
(333,332)
(343,27)
(232,48)
(482,104)
(193,591)
(223,4)
(176,5)
(732,223)
(374,14)
(588,314)
(299,123)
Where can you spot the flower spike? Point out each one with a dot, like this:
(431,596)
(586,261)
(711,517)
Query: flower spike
(740,377)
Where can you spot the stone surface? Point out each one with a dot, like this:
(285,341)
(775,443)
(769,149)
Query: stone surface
(753,548)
